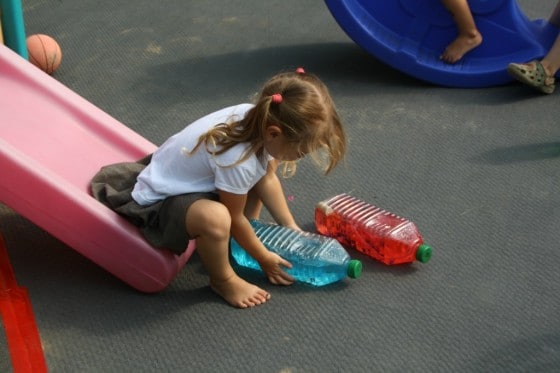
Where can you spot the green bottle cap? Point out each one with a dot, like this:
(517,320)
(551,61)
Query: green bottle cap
(354,268)
(424,253)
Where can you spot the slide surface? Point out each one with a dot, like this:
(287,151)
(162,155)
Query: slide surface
(52,142)
(410,35)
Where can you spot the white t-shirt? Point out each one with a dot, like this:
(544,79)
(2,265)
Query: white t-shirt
(173,171)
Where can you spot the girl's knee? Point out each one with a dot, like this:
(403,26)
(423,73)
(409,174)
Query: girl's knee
(208,218)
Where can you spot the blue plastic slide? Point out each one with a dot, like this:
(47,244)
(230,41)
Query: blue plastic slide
(410,35)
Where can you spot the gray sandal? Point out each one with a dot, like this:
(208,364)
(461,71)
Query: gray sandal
(532,74)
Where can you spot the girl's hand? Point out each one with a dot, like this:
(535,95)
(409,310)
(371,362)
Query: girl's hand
(272,266)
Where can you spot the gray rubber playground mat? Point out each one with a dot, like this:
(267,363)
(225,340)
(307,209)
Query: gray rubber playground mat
(476,169)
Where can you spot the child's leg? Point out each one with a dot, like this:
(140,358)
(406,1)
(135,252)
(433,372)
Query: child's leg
(253,206)
(209,222)
(540,74)
(268,192)
(555,16)
(468,38)
(551,62)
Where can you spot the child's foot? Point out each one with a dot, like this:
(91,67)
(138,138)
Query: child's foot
(460,46)
(533,74)
(239,293)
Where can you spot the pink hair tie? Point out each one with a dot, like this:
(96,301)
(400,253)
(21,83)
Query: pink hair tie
(277,98)
(300,70)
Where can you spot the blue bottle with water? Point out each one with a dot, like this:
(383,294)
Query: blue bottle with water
(317,260)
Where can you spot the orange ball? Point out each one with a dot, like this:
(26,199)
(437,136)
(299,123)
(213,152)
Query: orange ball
(44,52)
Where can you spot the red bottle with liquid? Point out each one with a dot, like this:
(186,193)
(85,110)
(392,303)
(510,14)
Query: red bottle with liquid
(377,233)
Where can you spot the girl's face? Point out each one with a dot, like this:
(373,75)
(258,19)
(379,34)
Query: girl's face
(279,147)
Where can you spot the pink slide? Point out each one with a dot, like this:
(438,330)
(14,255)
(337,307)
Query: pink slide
(52,142)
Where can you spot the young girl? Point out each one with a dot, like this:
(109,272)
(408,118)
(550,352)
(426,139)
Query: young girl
(208,180)
(469,37)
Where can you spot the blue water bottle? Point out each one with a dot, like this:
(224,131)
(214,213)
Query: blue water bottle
(317,260)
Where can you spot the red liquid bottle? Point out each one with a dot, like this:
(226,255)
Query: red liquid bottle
(377,233)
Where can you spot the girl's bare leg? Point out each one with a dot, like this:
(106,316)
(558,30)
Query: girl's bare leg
(469,37)
(551,62)
(209,222)
(253,206)
(555,16)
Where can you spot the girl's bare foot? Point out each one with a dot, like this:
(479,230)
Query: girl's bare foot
(239,293)
(460,46)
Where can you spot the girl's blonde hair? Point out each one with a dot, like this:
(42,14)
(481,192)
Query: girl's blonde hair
(306,115)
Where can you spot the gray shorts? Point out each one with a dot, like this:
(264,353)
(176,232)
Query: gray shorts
(162,223)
